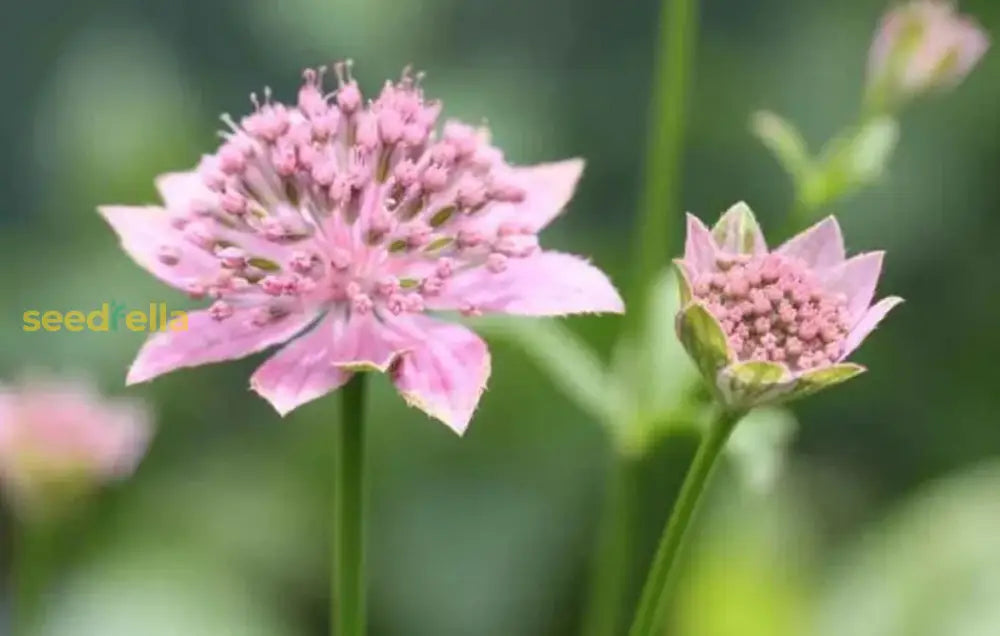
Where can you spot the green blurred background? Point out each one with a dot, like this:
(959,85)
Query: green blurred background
(886,519)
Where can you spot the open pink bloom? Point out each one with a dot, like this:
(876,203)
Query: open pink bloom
(773,325)
(59,439)
(339,225)
(925,44)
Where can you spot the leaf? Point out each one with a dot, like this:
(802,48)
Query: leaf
(784,141)
(703,339)
(851,162)
(759,446)
(756,382)
(931,568)
(818,379)
(564,357)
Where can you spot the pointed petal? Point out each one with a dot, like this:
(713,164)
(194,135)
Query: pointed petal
(545,284)
(445,371)
(548,189)
(302,371)
(684,280)
(699,246)
(815,380)
(206,340)
(145,231)
(738,232)
(868,322)
(181,189)
(856,278)
(366,344)
(821,246)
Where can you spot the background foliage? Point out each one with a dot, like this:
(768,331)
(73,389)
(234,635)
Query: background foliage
(884,520)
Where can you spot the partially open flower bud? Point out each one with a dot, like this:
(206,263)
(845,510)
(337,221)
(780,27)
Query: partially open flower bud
(765,326)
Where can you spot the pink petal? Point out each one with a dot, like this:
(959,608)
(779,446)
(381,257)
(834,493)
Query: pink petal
(207,340)
(699,247)
(868,322)
(821,246)
(145,231)
(855,278)
(545,284)
(445,371)
(303,370)
(181,189)
(366,343)
(548,188)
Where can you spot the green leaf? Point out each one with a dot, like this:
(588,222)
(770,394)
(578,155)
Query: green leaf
(931,568)
(759,446)
(784,141)
(818,379)
(703,339)
(652,369)
(564,357)
(756,382)
(851,162)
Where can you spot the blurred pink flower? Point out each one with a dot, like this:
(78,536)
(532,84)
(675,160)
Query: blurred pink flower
(344,223)
(60,439)
(773,325)
(925,44)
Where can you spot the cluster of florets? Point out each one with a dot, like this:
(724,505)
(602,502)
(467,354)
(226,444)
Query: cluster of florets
(338,201)
(772,308)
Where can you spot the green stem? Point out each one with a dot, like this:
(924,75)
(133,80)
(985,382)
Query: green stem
(609,575)
(659,208)
(348,579)
(652,605)
(30,572)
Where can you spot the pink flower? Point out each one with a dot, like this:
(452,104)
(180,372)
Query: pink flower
(339,225)
(924,45)
(774,325)
(60,439)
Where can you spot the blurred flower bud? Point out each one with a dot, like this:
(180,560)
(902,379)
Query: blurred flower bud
(60,440)
(922,46)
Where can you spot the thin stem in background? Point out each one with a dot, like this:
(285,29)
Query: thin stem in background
(649,617)
(348,577)
(660,204)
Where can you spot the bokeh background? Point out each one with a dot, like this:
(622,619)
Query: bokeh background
(886,517)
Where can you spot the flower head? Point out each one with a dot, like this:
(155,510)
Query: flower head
(60,439)
(774,325)
(925,45)
(345,223)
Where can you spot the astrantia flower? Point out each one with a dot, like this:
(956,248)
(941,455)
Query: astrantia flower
(344,223)
(925,45)
(60,439)
(773,325)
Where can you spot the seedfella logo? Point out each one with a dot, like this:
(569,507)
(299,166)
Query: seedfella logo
(110,316)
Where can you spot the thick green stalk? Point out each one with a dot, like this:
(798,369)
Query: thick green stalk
(659,209)
(652,605)
(348,577)
(609,572)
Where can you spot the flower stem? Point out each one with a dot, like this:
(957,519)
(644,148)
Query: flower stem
(348,579)
(652,605)
(609,574)
(30,572)
(659,207)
